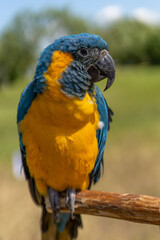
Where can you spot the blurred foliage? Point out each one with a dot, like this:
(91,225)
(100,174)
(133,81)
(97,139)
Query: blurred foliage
(29,32)
(127,40)
(153,46)
(15,56)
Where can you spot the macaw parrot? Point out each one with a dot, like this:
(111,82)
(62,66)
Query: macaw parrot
(63,120)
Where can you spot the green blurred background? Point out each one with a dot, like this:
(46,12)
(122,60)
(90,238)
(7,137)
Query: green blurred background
(132,156)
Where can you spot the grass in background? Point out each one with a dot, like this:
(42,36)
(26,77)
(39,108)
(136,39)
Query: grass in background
(9,98)
(135,99)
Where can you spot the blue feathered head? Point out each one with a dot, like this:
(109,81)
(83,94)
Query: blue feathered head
(91,63)
(75,42)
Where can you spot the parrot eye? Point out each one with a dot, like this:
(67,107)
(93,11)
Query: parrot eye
(83,52)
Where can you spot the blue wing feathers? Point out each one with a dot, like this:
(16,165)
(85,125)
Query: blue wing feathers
(101,135)
(27,97)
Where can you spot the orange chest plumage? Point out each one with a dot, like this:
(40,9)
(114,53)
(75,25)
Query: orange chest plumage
(59,135)
(61,146)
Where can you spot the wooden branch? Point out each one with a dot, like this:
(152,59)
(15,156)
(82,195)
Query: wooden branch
(130,207)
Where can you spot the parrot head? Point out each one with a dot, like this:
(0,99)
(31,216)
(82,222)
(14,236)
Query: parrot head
(90,62)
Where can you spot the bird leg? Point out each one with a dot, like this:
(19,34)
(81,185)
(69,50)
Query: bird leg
(70,200)
(54,201)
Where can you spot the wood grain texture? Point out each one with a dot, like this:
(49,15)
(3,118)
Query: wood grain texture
(130,207)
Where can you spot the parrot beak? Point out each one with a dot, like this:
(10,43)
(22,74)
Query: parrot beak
(103,68)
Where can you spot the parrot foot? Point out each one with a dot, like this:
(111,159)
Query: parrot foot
(70,200)
(54,201)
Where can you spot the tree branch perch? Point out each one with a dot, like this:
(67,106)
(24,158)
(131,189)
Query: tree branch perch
(130,207)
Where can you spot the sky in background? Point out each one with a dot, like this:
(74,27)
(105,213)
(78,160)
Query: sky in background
(101,11)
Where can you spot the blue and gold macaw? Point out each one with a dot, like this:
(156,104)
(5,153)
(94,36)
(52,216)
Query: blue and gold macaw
(63,120)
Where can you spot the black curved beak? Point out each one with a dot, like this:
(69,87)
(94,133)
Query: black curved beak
(103,68)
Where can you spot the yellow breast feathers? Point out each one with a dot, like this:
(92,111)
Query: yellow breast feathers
(59,134)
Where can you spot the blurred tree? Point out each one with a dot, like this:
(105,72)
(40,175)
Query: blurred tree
(28,33)
(127,40)
(153,46)
(17,47)
(15,56)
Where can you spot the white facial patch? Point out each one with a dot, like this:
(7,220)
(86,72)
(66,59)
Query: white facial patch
(100,125)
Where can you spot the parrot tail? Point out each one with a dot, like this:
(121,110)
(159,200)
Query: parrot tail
(67,229)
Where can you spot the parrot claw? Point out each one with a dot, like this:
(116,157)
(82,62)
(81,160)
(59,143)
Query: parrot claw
(54,201)
(70,200)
